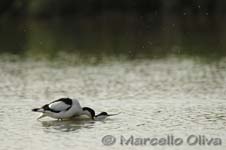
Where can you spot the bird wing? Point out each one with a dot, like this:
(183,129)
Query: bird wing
(59,106)
(77,109)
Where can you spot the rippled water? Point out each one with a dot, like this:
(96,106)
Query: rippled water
(159,97)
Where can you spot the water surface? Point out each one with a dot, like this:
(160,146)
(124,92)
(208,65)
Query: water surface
(156,97)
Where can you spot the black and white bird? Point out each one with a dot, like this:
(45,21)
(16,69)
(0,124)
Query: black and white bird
(67,108)
(64,108)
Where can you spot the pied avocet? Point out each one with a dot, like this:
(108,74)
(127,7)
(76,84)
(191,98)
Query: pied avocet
(66,108)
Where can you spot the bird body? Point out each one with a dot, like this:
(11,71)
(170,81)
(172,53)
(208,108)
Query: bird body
(63,108)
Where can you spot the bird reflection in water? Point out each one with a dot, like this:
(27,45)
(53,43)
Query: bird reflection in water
(68,125)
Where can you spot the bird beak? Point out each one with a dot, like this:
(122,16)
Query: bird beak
(113,114)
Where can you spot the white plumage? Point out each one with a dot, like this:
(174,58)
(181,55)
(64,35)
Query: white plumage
(59,106)
(63,108)
(66,108)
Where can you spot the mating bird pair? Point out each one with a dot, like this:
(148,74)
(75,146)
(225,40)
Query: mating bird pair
(66,108)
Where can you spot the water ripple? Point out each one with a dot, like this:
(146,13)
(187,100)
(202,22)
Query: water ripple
(155,97)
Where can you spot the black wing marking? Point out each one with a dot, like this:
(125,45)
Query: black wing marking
(59,105)
(65,100)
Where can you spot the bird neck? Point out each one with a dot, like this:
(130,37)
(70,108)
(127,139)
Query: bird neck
(89,112)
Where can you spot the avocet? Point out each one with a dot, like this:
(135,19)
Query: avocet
(67,108)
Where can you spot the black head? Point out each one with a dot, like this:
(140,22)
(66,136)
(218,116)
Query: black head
(102,114)
(90,110)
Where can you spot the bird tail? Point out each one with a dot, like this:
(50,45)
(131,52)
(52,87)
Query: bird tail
(38,110)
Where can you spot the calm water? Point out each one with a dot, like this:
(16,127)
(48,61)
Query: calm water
(156,97)
(167,76)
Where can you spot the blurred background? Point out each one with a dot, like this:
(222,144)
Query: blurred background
(161,63)
(119,28)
